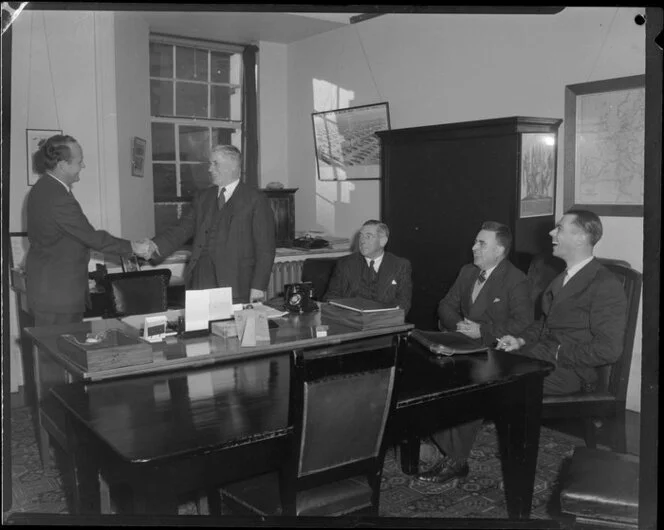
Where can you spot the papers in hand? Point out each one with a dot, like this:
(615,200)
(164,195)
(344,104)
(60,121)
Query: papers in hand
(362,305)
(447,342)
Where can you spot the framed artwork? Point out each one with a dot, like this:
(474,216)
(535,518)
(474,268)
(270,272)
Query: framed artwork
(137,156)
(604,146)
(130,264)
(538,175)
(33,138)
(345,143)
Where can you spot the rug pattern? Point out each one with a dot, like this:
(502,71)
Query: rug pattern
(480,494)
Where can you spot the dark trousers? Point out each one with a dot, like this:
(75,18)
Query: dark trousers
(457,441)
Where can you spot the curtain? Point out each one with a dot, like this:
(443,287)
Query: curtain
(250,116)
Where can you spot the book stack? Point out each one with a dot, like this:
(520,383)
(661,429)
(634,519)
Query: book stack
(360,313)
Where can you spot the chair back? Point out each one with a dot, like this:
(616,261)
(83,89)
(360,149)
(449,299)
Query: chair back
(615,377)
(341,398)
(318,271)
(542,270)
(136,293)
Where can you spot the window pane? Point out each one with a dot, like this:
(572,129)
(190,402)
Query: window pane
(194,144)
(161,98)
(193,177)
(163,141)
(191,63)
(164,182)
(222,136)
(220,100)
(191,100)
(221,67)
(161,60)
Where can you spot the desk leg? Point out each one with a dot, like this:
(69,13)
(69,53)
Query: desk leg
(85,472)
(518,436)
(409,452)
(42,434)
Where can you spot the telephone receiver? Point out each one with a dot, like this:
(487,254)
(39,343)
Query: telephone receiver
(297,297)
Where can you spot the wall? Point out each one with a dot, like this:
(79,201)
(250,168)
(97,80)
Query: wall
(447,68)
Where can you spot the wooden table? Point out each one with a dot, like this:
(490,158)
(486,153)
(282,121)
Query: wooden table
(161,434)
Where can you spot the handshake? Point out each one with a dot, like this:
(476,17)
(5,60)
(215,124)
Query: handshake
(145,248)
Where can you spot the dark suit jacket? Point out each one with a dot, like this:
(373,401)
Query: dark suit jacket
(60,238)
(587,319)
(502,307)
(395,285)
(246,240)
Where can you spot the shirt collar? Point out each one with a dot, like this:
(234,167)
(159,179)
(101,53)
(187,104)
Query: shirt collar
(488,272)
(230,188)
(571,271)
(377,261)
(56,178)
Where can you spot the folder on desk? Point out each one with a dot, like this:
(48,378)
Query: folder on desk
(447,342)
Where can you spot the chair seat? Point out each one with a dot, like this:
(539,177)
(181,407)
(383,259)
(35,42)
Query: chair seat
(601,485)
(261,495)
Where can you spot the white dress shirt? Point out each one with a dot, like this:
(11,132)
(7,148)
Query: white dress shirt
(377,261)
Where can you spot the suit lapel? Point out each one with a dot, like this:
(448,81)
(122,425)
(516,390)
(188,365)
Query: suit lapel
(386,272)
(574,285)
(486,294)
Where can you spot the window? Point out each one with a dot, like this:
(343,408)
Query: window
(195,103)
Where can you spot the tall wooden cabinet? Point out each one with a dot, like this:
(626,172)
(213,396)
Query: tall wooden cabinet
(440,182)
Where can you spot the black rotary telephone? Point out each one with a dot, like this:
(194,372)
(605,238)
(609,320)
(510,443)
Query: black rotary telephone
(297,297)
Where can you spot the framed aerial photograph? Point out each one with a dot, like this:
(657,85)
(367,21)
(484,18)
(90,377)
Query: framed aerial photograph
(604,146)
(346,145)
(33,138)
(538,174)
(137,156)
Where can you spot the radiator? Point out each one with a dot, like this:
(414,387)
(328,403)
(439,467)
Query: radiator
(283,273)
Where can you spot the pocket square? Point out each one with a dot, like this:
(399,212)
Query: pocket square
(394,282)
(496,300)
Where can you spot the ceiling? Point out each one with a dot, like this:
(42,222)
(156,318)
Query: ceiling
(244,28)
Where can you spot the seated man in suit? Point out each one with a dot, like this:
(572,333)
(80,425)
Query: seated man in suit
(584,311)
(490,298)
(373,273)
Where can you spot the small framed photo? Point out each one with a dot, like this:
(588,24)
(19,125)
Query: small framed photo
(130,264)
(34,137)
(138,156)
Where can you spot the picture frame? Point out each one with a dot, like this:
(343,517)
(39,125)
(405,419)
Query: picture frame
(130,264)
(33,137)
(345,142)
(138,146)
(537,179)
(604,146)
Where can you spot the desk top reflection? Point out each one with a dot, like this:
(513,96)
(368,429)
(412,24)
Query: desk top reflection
(293,332)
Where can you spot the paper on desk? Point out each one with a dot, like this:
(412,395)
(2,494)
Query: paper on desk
(252,327)
(197,309)
(221,303)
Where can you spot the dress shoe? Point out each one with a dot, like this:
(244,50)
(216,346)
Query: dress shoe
(445,470)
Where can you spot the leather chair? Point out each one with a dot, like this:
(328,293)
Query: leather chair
(340,400)
(607,403)
(136,293)
(601,489)
(318,271)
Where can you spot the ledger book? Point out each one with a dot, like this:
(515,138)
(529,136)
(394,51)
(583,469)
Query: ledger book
(447,342)
(362,305)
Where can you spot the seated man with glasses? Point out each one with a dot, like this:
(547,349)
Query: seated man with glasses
(373,273)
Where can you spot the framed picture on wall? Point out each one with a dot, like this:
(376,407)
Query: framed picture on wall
(34,137)
(538,175)
(346,145)
(137,156)
(604,146)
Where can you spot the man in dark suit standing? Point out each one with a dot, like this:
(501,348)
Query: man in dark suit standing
(61,237)
(373,273)
(489,299)
(584,311)
(233,229)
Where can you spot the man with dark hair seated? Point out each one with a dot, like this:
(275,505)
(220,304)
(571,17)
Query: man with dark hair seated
(373,273)
(490,298)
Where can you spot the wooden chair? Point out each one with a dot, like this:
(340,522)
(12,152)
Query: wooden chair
(600,489)
(608,401)
(340,400)
(136,293)
(318,271)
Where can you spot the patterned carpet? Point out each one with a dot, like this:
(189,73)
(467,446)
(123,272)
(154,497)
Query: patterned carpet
(480,494)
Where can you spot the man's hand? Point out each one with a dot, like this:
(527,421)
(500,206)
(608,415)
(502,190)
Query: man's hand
(145,248)
(469,328)
(509,343)
(256,295)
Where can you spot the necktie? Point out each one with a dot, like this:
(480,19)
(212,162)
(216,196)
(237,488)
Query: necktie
(221,199)
(482,277)
(372,271)
(478,286)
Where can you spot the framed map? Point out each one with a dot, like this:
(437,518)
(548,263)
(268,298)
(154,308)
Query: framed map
(347,147)
(604,146)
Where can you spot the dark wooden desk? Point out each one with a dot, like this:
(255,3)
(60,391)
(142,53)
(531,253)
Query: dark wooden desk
(155,436)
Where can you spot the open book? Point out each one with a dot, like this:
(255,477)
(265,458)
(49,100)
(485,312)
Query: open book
(362,305)
(447,342)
